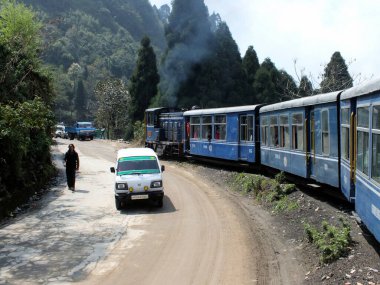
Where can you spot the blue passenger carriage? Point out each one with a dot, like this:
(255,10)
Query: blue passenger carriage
(301,137)
(360,151)
(165,131)
(224,133)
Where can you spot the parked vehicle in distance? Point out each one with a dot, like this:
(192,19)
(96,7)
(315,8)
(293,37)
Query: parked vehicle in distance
(60,132)
(138,176)
(81,131)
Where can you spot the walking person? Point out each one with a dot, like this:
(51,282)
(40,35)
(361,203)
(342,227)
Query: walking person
(71,162)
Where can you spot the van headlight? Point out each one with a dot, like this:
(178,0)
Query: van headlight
(156,184)
(121,186)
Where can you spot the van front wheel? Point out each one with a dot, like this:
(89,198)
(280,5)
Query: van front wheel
(160,202)
(117,204)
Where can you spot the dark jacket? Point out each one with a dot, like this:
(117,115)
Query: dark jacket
(72,159)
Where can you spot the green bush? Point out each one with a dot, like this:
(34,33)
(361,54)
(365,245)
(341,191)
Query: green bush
(285,204)
(332,241)
(280,177)
(25,157)
(266,190)
(288,188)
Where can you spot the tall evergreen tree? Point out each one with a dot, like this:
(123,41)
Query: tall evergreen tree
(264,87)
(306,87)
(336,76)
(143,83)
(250,64)
(232,79)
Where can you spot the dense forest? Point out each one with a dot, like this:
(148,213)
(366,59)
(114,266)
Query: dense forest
(86,42)
(107,61)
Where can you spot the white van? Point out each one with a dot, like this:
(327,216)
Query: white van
(138,175)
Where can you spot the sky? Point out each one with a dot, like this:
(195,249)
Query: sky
(300,36)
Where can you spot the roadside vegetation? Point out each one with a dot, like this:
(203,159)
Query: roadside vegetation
(332,241)
(265,190)
(26,116)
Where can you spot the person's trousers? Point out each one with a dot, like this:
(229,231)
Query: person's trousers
(70,175)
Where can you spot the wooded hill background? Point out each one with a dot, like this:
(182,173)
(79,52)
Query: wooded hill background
(199,62)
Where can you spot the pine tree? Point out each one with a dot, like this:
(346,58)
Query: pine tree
(250,64)
(336,76)
(232,79)
(143,83)
(264,87)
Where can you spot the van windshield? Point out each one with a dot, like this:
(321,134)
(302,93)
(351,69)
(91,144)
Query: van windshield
(137,165)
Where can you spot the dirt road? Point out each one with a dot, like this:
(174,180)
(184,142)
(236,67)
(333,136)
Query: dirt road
(202,235)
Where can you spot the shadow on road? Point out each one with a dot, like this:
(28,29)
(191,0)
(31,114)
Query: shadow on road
(80,191)
(148,207)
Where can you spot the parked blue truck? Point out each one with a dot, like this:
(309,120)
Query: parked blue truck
(81,131)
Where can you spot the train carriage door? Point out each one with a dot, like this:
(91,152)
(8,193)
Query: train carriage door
(312,146)
(246,139)
(242,139)
(348,149)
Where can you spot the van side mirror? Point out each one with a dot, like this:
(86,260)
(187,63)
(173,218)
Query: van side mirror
(112,169)
(162,167)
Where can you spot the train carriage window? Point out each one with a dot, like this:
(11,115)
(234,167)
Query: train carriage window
(220,127)
(207,127)
(243,128)
(264,130)
(345,117)
(376,143)
(251,134)
(345,123)
(325,133)
(363,140)
(150,118)
(246,128)
(195,127)
(376,157)
(376,118)
(165,130)
(284,131)
(297,131)
(273,131)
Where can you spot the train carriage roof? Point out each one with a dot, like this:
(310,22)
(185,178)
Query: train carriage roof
(221,110)
(163,109)
(362,89)
(301,102)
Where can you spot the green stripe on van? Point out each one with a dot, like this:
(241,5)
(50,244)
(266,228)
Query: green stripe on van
(136,158)
(145,171)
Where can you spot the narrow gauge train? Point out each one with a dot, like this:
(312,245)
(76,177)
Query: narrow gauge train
(331,138)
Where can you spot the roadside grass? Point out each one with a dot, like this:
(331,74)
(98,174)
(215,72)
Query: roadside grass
(332,241)
(265,190)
